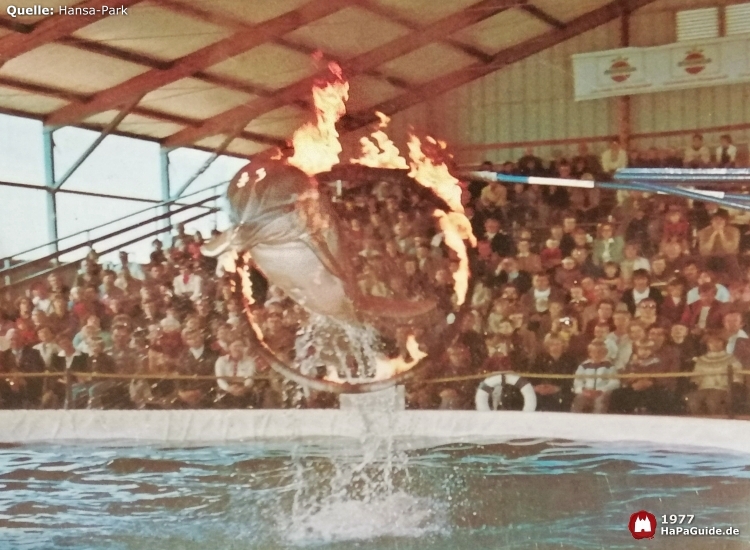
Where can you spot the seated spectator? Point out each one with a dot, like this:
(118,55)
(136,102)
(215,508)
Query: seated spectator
(612,278)
(91,392)
(68,360)
(541,291)
(551,257)
(92,329)
(501,243)
(726,152)
(711,380)
(527,261)
(553,394)
(508,273)
(125,265)
(674,305)
(592,394)
(235,372)
(20,358)
(642,395)
(197,360)
(614,158)
(641,290)
(188,284)
(697,155)
(530,164)
(660,277)
(608,247)
(738,341)
(707,277)
(719,243)
(567,274)
(676,227)
(604,313)
(705,314)
(632,261)
(646,314)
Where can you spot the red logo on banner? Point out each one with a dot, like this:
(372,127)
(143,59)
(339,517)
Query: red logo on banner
(695,61)
(642,525)
(620,70)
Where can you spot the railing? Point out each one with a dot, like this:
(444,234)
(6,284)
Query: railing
(180,201)
(71,378)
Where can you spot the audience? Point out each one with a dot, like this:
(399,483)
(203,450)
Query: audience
(583,284)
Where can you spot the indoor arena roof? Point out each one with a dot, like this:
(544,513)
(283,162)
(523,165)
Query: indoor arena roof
(189,72)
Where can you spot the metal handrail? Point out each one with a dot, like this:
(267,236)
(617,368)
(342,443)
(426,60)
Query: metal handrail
(54,255)
(58,267)
(153,206)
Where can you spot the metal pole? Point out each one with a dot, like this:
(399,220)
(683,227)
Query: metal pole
(165,192)
(49,180)
(219,151)
(730,391)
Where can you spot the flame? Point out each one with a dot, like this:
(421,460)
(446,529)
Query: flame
(316,145)
(428,168)
(388,368)
(378,151)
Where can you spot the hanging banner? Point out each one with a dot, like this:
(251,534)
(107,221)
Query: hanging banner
(693,64)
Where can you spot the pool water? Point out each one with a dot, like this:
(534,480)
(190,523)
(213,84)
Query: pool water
(345,494)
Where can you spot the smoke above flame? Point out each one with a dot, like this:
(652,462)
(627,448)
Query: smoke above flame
(316,145)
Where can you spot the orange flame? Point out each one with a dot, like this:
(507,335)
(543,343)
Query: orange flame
(388,368)
(428,168)
(316,145)
(378,151)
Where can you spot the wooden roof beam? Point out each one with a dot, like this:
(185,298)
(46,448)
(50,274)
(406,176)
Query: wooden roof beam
(159,116)
(542,15)
(513,54)
(52,28)
(359,65)
(196,61)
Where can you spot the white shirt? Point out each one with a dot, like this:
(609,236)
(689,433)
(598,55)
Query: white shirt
(47,351)
(191,289)
(227,367)
(69,359)
(732,340)
(197,352)
(703,317)
(600,384)
(638,297)
(42,304)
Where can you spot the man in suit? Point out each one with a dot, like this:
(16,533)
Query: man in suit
(641,290)
(508,273)
(541,293)
(67,360)
(501,243)
(197,360)
(16,392)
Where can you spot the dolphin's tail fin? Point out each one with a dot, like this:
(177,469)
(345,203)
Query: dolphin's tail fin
(374,306)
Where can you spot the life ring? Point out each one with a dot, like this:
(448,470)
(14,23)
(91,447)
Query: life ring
(490,390)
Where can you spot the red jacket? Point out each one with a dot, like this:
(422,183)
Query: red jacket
(715,318)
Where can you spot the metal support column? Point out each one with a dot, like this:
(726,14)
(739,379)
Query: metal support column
(49,180)
(165,193)
(623,103)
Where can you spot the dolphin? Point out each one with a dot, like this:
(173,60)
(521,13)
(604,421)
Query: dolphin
(293,234)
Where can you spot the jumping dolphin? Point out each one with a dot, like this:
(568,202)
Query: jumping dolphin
(293,235)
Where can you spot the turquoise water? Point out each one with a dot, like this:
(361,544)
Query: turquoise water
(350,495)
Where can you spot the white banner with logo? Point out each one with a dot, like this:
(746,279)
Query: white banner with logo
(691,64)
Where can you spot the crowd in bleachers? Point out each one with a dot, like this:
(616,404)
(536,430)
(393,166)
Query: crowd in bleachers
(566,281)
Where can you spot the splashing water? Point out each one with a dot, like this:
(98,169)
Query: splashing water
(362,495)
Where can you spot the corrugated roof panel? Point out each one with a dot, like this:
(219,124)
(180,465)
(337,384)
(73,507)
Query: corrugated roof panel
(366,91)
(425,11)
(348,33)
(193,99)
(281,122)
(70,69)
(737,19)
(16,100)
(697,24)
(269,65)
(504,29)
(427,63)
(246,147)
(136,124)
(251,11)
(154,31)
